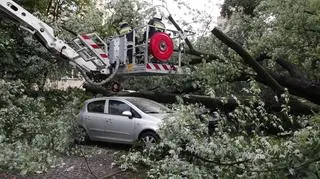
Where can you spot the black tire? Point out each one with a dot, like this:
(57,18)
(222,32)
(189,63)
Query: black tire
(149,138)
(81,136)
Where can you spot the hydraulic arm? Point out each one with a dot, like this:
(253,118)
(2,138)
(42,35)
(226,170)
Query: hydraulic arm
(90,59)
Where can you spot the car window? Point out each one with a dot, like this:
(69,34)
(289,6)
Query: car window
(148,106)
(96,106)
(117,107)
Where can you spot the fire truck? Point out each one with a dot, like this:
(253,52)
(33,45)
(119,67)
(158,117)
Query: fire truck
(101,60)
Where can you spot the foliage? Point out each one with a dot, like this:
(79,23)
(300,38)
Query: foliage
(246,6)
(36,127)
(34,130)
(280,29)
(297,29)
(134,12)
(21,58)
(239,147)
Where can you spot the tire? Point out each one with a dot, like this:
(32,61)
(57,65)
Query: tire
(81,136)
(149,138)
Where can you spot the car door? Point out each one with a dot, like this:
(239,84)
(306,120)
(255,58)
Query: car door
(95,119)
(120,128)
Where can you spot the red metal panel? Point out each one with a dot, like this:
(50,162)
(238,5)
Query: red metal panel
(85,37)
(103,55)
(95,46)
(148,66)
(165,67)
(156,66)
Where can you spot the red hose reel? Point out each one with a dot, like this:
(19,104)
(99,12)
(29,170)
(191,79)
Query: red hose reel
(161,46)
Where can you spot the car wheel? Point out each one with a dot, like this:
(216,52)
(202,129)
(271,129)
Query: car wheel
(81,136)
(149,138)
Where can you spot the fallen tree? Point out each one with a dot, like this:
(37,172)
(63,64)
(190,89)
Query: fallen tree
(225,104)
(298,85)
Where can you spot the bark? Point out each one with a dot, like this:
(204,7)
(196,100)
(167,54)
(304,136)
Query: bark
(303,88)
(306,89)
(42,82)
(262,57)
(49,6)
(291,68)
(69,30)
(297,83)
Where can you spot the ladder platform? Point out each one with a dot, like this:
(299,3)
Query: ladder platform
(148,69)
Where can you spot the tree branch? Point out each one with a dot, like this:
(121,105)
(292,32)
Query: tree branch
(69,30)
(217,162)
(306,163)
(262,73)
(48,7)
(309,90)
(310,12)
(262,57)
(291,68)
(192,50)
(226,104)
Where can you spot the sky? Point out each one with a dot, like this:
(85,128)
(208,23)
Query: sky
(195,21)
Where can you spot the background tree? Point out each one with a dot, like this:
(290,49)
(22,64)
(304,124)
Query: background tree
(24,58)
(246,7)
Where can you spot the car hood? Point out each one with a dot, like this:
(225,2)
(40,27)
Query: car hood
(159,115)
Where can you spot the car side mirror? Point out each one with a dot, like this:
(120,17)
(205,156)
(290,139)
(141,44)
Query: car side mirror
(127,113)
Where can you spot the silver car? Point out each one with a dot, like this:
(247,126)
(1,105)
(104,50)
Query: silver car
(121,119)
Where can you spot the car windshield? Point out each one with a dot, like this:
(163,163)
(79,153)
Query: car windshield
(148,106)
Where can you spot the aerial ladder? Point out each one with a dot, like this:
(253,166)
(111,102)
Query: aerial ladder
(100,60)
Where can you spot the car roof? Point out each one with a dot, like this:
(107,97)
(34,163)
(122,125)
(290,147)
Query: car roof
(114,97)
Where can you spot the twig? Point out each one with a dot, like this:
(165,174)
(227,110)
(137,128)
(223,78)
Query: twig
(85,159)
(65,176)
(217,162)
(308,162)
(69,30)
(152,89)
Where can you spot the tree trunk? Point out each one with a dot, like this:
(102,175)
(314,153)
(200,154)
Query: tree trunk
(297,84)
(299,87)
(227,104)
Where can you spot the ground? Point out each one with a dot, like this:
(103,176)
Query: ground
(96,164)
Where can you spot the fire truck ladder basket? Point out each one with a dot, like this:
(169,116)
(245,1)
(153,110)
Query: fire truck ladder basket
(152,57)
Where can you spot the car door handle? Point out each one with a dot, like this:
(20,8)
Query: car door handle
(108,121)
